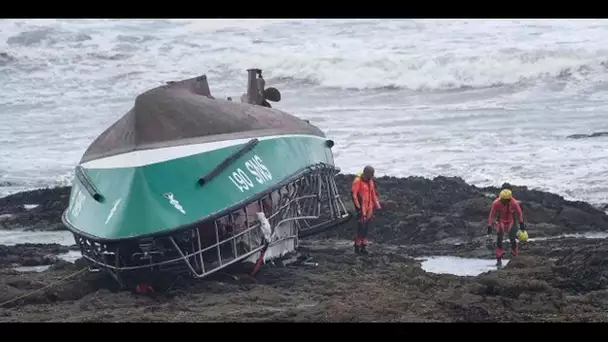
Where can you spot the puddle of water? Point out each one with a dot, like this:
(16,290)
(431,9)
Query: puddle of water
(458,266)
(28,269)
(70,256)
(588,235)
(14,237)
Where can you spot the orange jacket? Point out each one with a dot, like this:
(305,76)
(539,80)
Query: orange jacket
(364,196)
(505,212)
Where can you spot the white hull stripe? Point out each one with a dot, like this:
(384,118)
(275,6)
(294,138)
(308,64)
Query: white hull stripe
(159,155)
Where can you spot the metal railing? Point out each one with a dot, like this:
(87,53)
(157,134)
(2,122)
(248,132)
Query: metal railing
(304,204)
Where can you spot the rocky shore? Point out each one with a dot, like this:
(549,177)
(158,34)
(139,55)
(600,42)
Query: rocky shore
(555,277)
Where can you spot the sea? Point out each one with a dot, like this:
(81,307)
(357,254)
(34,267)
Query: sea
(490,101)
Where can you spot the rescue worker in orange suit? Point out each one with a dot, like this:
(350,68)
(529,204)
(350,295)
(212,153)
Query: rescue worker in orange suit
(503,206)
(366,201)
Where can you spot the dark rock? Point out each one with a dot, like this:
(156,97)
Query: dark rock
(409,207)
(592,135)
(31,254)
(419,210)
(61,264)
(540,206)
(562,279)
(46,216)
(584,269)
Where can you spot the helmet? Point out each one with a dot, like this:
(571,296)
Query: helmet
(505,194)
(368,171)
(522,236)
(506,186)
(359,174)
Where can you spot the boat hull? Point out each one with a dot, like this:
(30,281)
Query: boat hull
(151,192)
(151,213)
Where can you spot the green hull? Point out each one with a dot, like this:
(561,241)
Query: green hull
(156,191)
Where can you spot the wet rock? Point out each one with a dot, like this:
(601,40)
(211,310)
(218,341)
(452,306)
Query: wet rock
(36,287)
(415,209)
(60,264)
(31,254)
(467,313)
(420,210)
(584,269)
(579,220)
(540,206)
(561,279)
(8,210)
(46,215)
(385,286)
(473,207)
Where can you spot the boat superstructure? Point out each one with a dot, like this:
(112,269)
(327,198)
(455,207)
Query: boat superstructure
(188,182)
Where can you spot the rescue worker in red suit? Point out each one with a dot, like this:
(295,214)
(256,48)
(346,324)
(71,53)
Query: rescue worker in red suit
(503,206)
(509,187)
(366,201)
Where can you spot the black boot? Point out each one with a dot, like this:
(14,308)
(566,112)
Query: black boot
(364,250)
(498,262)
(357,250)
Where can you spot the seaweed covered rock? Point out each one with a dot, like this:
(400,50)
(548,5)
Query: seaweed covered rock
(584,269)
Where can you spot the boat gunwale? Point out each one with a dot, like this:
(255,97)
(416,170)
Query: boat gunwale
(211,217)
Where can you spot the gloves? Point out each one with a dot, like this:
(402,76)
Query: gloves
(489,230)
(522,227)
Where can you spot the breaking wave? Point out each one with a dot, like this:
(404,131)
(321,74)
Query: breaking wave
(438,73)
(294,53)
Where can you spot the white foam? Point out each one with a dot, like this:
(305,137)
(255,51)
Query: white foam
(458,266)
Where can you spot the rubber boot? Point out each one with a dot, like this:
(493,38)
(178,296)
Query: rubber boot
(498,257)
(364,250)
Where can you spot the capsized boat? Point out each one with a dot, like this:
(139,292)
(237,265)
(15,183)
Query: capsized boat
(186,182)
